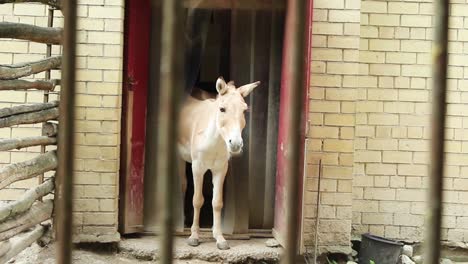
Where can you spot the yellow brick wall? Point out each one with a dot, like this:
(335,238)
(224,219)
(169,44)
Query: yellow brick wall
(331,119)
(392,132)
(99,77)
(369,121)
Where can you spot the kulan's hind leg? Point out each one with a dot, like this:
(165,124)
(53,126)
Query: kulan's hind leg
(180,197)
(197,201)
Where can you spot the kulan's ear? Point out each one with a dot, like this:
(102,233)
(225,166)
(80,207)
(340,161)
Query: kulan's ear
(245,90)
(221,86)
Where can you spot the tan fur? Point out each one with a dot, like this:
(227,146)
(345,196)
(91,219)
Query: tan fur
(209,134)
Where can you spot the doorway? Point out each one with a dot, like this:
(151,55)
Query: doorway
(243,45)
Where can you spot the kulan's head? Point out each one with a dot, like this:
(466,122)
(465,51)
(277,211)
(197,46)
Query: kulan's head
(230,119)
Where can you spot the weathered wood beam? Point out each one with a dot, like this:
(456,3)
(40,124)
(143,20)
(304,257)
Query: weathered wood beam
(48,236)
(5,246)
(15,71)
(46,35)
(30,118)
(24,85)
(18,245)
(54,3)
(18,143)
(27,199)
(235,4)
(50,129)
(27,169)
(21,109)
(38,213)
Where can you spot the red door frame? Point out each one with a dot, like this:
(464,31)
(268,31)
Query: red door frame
(280,228)
(136,75)
(134,101)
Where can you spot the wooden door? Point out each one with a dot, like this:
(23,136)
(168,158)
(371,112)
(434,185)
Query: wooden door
(280,228)
(255,56)
(136,50)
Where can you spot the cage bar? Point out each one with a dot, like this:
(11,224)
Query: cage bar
(439,109)
(171,83)
(50,23)
(293,65)
(64,194)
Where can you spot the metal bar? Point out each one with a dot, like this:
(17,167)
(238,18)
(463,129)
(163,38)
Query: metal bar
(50,23)
(439,109)
(171,85)
(317,212)
(64,194)
(294,64)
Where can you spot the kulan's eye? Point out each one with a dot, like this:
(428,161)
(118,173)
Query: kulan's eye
(222,109)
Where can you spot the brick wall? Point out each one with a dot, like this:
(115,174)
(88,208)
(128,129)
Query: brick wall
(330,138)
(99,76)
(369,121)
(392,132)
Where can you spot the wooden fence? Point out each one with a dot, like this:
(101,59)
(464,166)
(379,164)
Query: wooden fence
(22,222)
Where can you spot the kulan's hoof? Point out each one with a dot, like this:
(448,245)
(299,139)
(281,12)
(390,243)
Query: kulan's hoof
(193,242)
(222,245)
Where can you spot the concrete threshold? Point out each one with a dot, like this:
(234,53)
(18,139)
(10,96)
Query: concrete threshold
(241,251)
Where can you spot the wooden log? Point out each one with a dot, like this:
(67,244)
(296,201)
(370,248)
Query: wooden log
(20,109)
(24,85)
(27,169)
(50,129)
(18,143)
(48,236)
(30,118)
(39,212)
(15,71)
(55,3)
(26,240)
(46,35)
(5,246)
(27,199)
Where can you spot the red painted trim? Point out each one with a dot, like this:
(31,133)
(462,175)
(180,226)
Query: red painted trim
(307,63)
(135,87)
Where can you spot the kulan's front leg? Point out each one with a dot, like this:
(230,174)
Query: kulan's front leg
(218,181)
(197,201)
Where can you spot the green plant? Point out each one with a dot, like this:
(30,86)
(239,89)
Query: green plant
(332,261)
(371,262)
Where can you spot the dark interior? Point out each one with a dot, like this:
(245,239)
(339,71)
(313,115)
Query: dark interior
(244,46)
(213,62)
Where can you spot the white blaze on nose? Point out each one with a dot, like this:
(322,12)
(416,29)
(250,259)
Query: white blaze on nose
(235,140)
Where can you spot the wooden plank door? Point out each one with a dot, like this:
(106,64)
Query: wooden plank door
(280,228)
(258,105)
(236,198)
(136,51)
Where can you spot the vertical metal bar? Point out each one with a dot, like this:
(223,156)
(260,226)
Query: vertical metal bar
(295,21)
(64,195)
(50,23)
(439,108)
(171,84)
(317,212)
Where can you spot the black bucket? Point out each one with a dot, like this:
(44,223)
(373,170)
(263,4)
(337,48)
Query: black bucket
(379,250)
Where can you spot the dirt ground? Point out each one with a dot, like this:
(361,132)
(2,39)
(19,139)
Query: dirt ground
(145,250)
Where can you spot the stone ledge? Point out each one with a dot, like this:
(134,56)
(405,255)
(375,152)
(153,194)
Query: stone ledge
(241,251)
(98,238)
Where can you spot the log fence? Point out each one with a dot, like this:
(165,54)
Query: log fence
(26,220)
